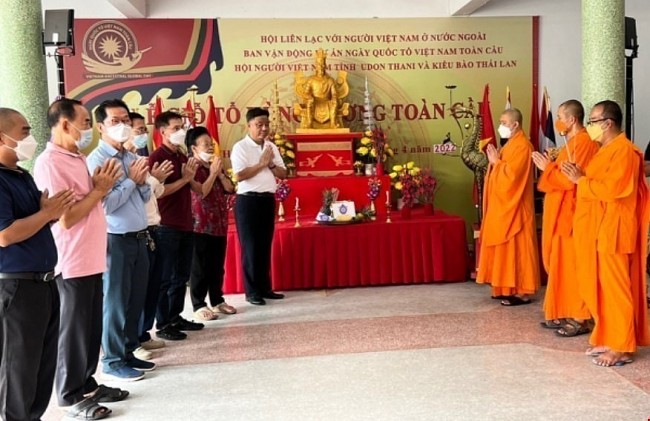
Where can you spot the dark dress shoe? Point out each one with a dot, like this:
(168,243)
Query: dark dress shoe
(183,324)
(170,334)
(258,301)
(273,295)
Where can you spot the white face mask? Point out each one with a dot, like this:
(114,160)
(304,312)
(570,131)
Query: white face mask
(177,138)
(206,156)
(140,141)
(505,132)
(85,139)
(119,133)
(25,148)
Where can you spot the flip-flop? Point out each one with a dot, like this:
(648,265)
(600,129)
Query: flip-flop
(595,351)
(515,301)
(619,363)
(105,394)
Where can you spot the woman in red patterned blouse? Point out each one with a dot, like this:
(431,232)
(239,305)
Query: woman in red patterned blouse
(210,212)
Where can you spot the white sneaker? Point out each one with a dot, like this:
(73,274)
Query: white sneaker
(142,354)
(153,344)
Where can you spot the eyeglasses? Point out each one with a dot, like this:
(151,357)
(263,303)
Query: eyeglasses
(589,123)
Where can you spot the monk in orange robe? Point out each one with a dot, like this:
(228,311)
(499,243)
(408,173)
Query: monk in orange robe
(610,232)
(562,300)
(509,255)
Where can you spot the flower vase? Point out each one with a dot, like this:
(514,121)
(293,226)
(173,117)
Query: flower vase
(291,172)
(406,212)
(370,170)
(380,169)
(428,209)
(281,212)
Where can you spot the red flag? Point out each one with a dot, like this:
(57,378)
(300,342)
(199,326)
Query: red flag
(157,136)
(211,124)
(488,135)
(534,121)
(190,120)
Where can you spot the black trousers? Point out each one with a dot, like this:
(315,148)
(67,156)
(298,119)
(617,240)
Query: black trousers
(29,332)
(255,219)
(206,277)
(80,337)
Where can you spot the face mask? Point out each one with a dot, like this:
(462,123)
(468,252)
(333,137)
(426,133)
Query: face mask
(140,141)
(85,139)
(120,132)
(561,127)
(25,148)
(505,132)
(595,132)
(177,138)
(206,156)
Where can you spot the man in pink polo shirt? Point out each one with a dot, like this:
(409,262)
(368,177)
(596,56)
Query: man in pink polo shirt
(80,237)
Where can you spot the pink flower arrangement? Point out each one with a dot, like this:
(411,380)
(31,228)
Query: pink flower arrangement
(374,185)
(282,191)
(427,186)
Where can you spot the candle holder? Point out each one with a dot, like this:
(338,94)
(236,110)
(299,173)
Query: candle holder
(281,212)
(388,221)
(297,217)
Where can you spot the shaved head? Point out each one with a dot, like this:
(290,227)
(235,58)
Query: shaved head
(575,109)
(7,119)
(513,115)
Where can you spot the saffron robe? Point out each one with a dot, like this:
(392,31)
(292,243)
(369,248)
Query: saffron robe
(509,255)
(562,298)
(610,235)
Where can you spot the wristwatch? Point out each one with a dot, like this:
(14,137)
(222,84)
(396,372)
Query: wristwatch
(272,166)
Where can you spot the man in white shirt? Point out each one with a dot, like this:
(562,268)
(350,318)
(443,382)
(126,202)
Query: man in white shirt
(256,163)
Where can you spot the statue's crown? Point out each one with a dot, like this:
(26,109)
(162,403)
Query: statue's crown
(321,54)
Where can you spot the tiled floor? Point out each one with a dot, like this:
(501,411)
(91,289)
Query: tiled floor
(425,352)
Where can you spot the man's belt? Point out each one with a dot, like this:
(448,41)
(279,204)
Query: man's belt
(258,194)
(32,276)
(135,234)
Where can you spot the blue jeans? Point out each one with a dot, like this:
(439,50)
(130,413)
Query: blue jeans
(125,287)
(173,263)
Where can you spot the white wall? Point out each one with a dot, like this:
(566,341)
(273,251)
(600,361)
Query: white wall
(560,58)
(560,31)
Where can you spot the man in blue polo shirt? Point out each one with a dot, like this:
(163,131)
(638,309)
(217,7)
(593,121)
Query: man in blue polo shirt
(125,281)
(29,302)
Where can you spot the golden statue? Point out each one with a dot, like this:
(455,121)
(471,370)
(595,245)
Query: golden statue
(321,105)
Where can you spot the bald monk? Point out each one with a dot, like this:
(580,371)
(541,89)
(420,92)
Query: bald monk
(562,300)
(610,233)
(508,259)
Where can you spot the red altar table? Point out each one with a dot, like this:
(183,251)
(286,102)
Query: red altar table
(424,249)
(310,192)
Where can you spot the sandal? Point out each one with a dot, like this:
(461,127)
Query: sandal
(572,328)
(223,308)
(553,324)
(205,315)
(613,359)
(105,394)
(88,409)
(596,351)
(515,301)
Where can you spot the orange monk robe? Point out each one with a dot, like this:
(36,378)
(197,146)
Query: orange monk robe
(610,235)
(562,299)
(509,256)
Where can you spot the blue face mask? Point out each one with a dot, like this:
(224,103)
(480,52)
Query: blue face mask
(140,141)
